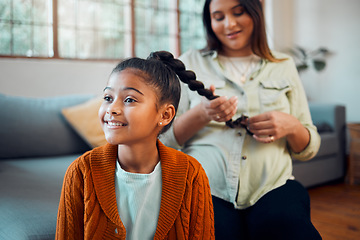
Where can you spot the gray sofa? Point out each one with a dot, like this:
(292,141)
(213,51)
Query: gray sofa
(37,145)
(329,163)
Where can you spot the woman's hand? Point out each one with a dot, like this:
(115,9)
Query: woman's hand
(220,109)
(270,126)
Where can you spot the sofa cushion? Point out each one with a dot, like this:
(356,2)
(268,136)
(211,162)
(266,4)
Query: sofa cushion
(33,127)
(30,193)
(85,121)
(324,127)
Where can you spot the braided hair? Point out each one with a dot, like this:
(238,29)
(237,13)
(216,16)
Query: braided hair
(162,71)
(189,77)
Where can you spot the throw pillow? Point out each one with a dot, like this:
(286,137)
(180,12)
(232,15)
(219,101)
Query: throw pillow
(84,119)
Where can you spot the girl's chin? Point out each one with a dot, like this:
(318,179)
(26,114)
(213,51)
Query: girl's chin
(112,141)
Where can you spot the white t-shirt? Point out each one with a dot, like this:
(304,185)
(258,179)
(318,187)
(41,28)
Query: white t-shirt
(138,198)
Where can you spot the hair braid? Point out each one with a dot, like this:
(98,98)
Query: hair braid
(189,77)
(186,76)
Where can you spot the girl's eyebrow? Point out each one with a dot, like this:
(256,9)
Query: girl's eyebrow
(134,89)
(106,88)
(124,89)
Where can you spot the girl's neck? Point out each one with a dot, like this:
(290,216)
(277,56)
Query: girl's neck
(138,158)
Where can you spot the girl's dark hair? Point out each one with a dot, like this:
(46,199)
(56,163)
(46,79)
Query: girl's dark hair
(161,71)
(259,44)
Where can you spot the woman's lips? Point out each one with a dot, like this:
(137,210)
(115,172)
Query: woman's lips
(233,34)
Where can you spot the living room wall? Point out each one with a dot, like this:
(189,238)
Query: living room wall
(333,24)
(44,78)
(329,23)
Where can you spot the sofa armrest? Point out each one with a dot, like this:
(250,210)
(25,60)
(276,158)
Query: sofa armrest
(333,115)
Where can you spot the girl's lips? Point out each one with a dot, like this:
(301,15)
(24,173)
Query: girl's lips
(115,124)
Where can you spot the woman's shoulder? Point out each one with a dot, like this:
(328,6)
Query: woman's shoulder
(287,59)
(278,54)
(196,54)
(190,54)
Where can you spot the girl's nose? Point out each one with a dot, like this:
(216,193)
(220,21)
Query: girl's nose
(113,110)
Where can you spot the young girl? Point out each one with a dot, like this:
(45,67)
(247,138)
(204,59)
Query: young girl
(134,187)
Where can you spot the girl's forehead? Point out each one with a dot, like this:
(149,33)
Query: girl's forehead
(125,79)
(128,76)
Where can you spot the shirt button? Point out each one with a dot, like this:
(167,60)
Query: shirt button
(239,133)
(243,157)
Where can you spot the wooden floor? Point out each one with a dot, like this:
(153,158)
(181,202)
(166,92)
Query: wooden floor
(335,211)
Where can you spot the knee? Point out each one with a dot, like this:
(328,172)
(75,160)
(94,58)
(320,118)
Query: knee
(283,225)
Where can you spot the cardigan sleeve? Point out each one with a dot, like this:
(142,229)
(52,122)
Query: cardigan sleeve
(70,217)
(202,213)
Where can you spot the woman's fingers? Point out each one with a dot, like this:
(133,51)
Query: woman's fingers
(221,109)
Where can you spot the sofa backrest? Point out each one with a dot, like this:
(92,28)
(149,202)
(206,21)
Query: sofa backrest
(35,127)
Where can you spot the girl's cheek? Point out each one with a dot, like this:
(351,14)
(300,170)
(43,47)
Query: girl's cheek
(102,111)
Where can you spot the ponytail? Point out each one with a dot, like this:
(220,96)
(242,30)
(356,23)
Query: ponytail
(189,77)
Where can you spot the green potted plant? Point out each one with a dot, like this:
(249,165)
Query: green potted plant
(305,59)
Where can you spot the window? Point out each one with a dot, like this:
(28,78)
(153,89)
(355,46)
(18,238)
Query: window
(26,28)
(98,29)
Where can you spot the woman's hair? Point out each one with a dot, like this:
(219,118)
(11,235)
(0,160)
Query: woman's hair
(161,71)
(259,44)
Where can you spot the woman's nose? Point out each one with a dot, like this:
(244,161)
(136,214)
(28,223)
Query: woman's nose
(230,22)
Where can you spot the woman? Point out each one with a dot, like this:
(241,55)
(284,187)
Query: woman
(249,169)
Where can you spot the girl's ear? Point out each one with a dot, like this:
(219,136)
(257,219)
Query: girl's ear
(167,114)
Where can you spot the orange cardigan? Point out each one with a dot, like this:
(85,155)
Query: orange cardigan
(88,208)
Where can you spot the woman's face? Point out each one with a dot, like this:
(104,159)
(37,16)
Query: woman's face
(232,26)
(129,113)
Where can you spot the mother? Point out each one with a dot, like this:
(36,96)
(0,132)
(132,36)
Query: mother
(254,193)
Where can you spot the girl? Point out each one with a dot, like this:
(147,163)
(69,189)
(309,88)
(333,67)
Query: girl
(250,169)
(134,187)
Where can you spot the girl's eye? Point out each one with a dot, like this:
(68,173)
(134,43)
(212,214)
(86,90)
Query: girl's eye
(129,100)
(107,98)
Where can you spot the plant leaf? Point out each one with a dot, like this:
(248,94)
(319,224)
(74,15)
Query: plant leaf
(319,64)
(302,67)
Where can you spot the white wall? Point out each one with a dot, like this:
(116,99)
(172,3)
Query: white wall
(333,24)
(44,78)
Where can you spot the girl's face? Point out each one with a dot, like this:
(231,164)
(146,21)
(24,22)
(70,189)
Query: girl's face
(129,113)
(232,26)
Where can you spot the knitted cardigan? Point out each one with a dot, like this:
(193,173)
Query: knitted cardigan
(88,208)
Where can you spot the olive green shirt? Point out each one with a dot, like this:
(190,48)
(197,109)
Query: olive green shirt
(240,169)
